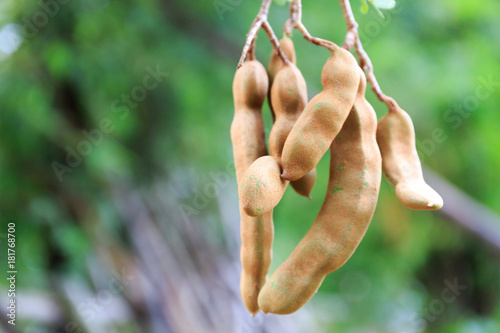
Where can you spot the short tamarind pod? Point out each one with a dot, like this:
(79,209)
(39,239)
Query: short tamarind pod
(261,187)
(275,63)
(401,164)
(323,116)
(353,188)
(250,87)
(304,185)
(288,99)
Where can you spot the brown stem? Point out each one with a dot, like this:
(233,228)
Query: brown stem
(260,21)
(290,23)
(352,39)
(274,41)
(251,50)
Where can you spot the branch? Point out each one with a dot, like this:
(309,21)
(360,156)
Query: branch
(352,39)
(260,21)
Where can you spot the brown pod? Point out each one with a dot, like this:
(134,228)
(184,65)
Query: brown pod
(255,256)
(289,98)
(261,187)
(323,116)
(304,185)
(275,63)
(401,165)
(353,188)
(250,87)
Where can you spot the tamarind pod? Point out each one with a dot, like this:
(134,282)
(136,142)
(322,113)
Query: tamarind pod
(261,187)
(255,256)
(304,185)
(401,164)
(289,98)
(275,63)
(250,87)
(323,116)
(353,188)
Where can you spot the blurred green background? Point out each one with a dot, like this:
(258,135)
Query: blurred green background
(139,232)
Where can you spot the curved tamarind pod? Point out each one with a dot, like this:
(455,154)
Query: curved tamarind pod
(261,186)
(323,116)
(250,87)
(353,188)
(400,162)
(289,98)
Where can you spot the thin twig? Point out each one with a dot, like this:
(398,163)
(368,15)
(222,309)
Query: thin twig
(251,51)
(261,22)
(296,9)
(290,23)
(352,39)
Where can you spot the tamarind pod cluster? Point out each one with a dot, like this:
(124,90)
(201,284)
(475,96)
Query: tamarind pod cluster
(401,164)
(323,116)
(261,187)
(250,86)
(353,188)
(287,99)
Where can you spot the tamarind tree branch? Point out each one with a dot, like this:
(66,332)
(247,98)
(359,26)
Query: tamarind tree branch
(260,21)
(352,40)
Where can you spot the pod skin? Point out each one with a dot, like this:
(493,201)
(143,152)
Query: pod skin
(250,87)
(400,162)
(353,188)
(323,116)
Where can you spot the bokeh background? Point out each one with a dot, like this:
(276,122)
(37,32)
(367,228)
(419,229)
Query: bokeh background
(140,231)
